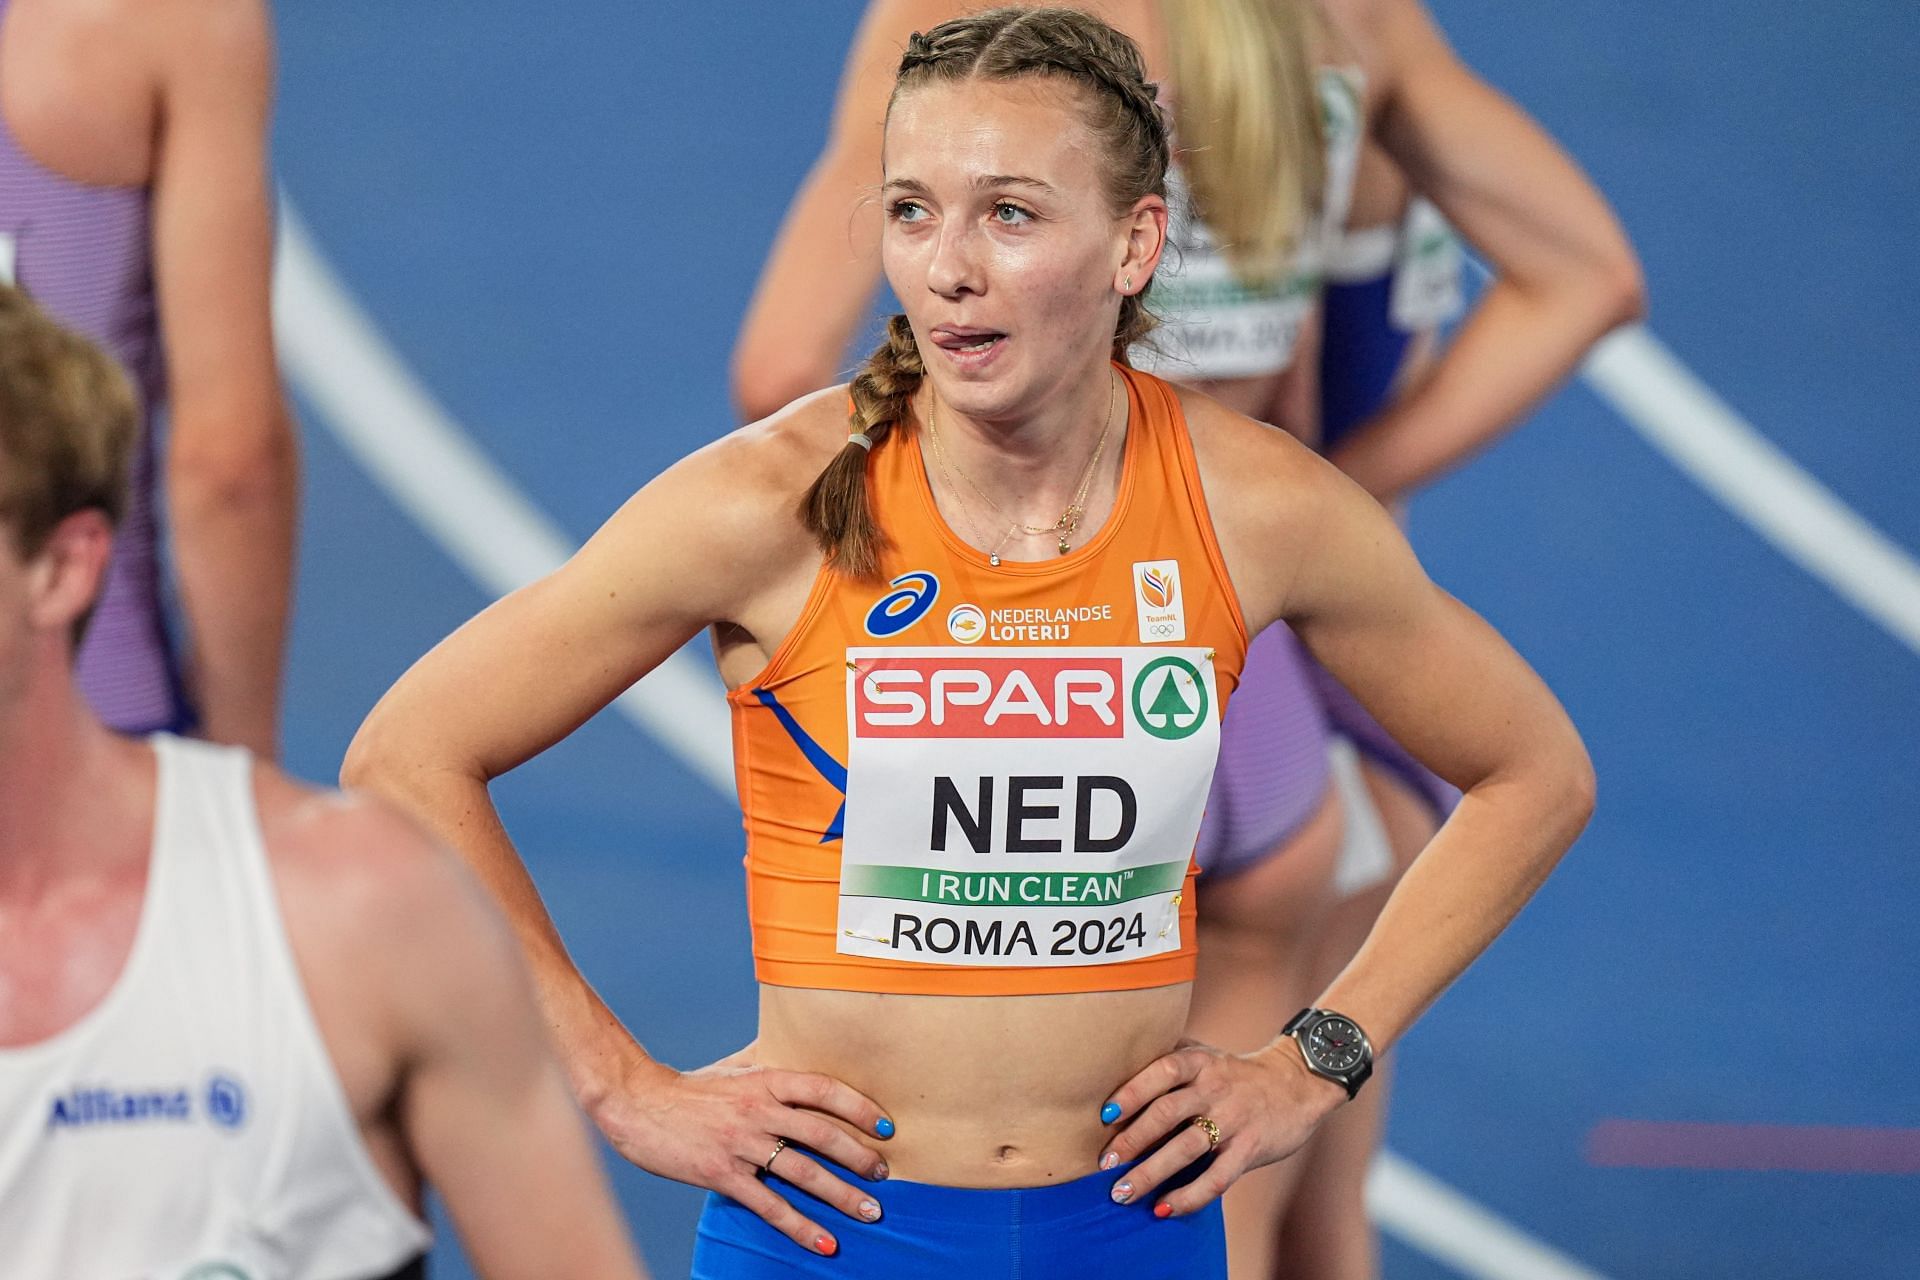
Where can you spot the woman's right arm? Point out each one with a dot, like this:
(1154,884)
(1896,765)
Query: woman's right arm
(713,539)
(825,263)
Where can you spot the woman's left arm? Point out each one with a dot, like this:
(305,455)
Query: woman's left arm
(1455,694)
(1564,272)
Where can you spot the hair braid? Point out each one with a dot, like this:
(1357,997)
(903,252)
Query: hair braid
(837,509)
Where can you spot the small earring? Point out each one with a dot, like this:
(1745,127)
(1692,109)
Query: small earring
(1128,283)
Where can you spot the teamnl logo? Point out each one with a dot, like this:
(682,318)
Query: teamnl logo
(1159,602)
(989,698)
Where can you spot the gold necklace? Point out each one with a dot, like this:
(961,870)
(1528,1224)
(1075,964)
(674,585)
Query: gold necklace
(993,556)
(1069,521)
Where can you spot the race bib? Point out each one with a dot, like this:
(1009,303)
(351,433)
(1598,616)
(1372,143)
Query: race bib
(1022,807)
(1216,326)
(1426,271)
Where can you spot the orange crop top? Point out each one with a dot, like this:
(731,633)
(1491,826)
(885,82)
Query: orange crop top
(969,779)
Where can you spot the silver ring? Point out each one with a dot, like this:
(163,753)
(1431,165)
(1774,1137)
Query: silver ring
(778,1147)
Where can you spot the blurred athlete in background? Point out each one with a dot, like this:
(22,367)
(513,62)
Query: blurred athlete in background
(241,1020)
(1295,124)
(134,207)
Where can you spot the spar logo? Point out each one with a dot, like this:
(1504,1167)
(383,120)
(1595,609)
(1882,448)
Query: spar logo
(967,623)
(900,608)
(1169,698)
(1036,697)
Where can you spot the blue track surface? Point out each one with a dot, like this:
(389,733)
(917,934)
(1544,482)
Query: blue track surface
(556,216)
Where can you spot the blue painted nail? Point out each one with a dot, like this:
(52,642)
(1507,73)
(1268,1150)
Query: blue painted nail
(1110,1113)
(1123,1192)
(883,1127)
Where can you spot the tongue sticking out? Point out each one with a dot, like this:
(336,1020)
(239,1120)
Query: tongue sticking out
(978,340)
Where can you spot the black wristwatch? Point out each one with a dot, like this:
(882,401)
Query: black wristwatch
(1333,1046)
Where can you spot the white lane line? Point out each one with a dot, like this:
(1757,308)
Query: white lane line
(1702,435)
(391,425)
(1707,439)
(1454,1230)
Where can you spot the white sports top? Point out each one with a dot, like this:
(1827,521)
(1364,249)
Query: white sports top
(1212,323)
(191,1126)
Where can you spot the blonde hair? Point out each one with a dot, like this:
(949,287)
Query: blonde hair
(68,424)
(1121,108)
(1251,140)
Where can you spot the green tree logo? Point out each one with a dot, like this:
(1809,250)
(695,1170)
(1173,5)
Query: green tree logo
(1169,698)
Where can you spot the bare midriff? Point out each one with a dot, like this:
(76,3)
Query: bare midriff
(984,1091)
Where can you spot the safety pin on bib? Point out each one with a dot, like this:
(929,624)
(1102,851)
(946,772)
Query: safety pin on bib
(1173,915)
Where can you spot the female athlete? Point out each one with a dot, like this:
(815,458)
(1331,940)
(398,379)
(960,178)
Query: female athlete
(978,648)
(1294,118)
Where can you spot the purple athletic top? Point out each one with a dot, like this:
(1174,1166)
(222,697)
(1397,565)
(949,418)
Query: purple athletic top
(1273,763)
(1273,768)
(84,254)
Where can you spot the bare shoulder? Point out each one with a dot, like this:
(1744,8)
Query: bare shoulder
(1396,36)
(1356,29)
(351,858)
(393,937)
(1267,495)
(1352,17)
(203,37)
(748,485)
(778,456)
(1252,471)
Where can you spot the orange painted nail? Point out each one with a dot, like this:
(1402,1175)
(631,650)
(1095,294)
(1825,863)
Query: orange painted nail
(1163,1210)
(826,1245)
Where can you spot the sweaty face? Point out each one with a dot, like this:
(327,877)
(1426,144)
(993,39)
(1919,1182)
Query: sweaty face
(1000,242)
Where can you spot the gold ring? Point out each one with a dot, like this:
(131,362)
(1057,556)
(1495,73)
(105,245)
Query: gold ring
(778,1147)
(1213,1131)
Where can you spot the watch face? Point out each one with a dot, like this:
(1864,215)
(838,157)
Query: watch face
(1336,1044)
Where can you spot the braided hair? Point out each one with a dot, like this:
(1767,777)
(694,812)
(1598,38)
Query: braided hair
(1119,105)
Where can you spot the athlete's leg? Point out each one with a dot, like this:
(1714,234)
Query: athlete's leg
(1255,971)
(1325,1234)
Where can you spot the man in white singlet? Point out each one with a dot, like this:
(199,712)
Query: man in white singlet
(241,1021)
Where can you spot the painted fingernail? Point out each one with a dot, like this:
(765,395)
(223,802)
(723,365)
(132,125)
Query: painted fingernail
(826,1245)
(1163,1210)
(880,1172)
(1110,1113)
(883,1127)
(1122,1192)
(1109,1160)
(870,1211)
